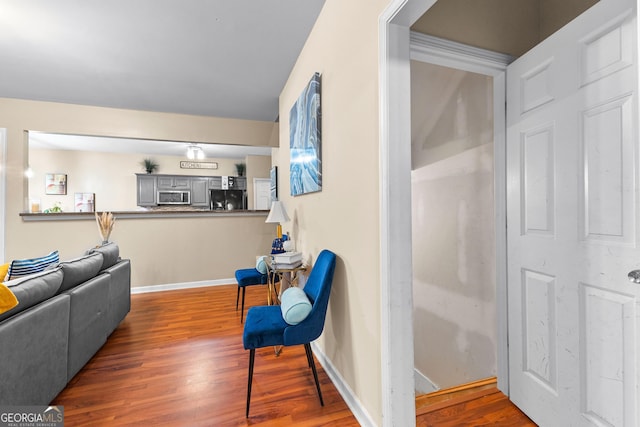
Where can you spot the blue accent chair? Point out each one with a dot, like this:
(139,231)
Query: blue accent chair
(266,327)
(248,277)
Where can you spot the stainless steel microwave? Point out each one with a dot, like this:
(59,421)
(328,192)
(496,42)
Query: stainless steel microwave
(174,197)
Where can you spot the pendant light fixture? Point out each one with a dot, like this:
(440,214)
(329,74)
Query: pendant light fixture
(195,152)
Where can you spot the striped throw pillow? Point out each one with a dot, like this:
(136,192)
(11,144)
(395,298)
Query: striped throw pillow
(24,267)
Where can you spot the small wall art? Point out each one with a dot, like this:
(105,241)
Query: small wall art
(305,166)
(274,183)
(55,183)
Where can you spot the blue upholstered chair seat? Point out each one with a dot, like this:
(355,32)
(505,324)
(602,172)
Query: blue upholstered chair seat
(250,276)
(264,327)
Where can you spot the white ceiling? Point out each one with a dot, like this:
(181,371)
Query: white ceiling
(225,58)
(52,141)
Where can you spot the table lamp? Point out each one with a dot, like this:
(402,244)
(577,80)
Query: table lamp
(277,215)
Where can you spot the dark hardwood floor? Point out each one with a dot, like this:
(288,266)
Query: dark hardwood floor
(480,405)
(178,360)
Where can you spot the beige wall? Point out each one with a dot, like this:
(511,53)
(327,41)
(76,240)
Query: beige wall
(161,250)
(344,216)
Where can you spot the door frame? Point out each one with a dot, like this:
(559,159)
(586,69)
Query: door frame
(396,310)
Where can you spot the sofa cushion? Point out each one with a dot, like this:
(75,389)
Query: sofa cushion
(110,253)
(25,267)
(31,290)
(80,270)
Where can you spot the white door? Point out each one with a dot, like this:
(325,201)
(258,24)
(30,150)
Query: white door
(261,194)
(572,228)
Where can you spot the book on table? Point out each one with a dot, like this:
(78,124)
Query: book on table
(286,266)
(286,260)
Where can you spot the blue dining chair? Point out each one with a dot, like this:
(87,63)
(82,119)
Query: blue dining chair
(265,326)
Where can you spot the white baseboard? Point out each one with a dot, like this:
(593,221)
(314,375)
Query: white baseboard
(345,391)
(423,384)
(184,285)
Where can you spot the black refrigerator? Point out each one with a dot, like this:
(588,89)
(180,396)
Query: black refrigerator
(227,200)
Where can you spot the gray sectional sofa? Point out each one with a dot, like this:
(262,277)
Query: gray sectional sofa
(64,316)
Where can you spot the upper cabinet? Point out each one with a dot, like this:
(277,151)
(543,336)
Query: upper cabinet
(148,186)
(199,192)
(174,182)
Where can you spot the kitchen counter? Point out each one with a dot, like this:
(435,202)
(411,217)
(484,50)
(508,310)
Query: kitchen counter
(161,212)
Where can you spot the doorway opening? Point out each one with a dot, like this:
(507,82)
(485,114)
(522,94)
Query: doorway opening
(453,233)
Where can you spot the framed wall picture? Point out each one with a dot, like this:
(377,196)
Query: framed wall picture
(85,202)
(305,165)
(55,183)
(274,183)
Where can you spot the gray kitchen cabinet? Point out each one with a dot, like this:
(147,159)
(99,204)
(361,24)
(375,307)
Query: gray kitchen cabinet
(240,182)
(199,187)
(147,188)
(199,192)
(169,182)
(215,183)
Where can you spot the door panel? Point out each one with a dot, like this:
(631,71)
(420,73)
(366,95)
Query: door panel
(572,223)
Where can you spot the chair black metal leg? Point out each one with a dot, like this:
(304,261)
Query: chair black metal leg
(252,356)
(244,288)
(307,350)
(315,373)
(237,297)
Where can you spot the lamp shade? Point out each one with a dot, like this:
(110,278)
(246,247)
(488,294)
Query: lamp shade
(278,214)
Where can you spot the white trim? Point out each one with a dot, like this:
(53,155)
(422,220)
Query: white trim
(183,285)
(3,192)
(455,55)
(350,398)
(396,294)
(423,384)
(435,50)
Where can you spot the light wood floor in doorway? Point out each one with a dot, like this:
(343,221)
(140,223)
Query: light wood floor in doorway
(178,360)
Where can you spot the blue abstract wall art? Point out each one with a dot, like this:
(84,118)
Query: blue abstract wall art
(305,167)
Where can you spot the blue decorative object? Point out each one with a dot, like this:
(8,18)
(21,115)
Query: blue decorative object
(266,327)
(305,132)
(276,246)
